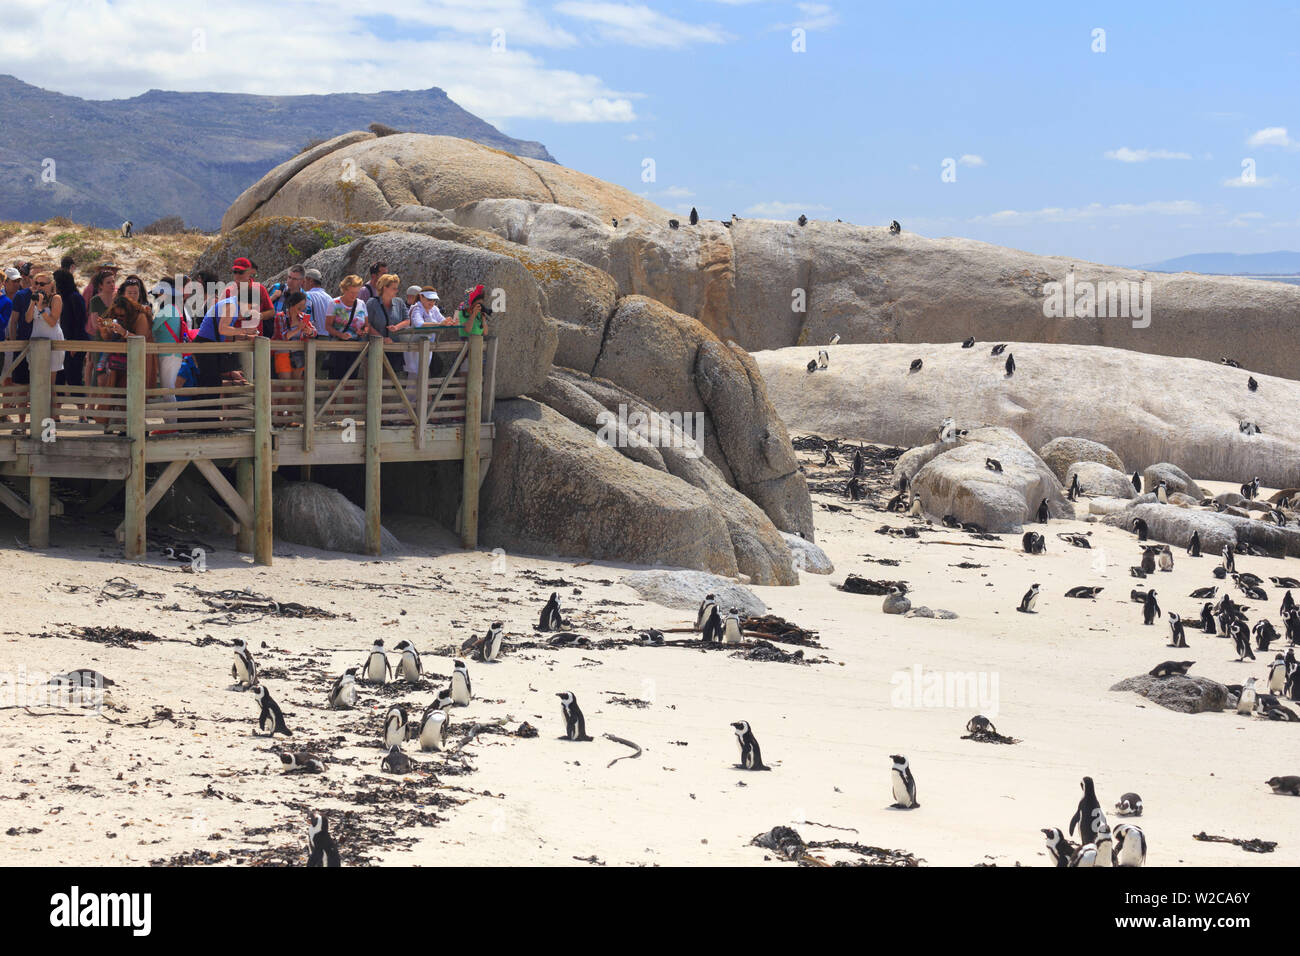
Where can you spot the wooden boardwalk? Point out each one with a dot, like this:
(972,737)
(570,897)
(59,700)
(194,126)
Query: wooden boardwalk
(371,415)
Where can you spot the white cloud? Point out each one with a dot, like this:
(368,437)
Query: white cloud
(970,159)
(638,25)
(1092,211)
(1244,219)
(323,47)
(815,16)
(677,192)
(1271,136)
(1126,155)
(1259,182)
(783,210)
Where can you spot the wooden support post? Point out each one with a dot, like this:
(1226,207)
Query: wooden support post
(374,425)
(309,395)
(422,391)
(38,488)
(473,423)
(244,488)
(133,539)
(262,458)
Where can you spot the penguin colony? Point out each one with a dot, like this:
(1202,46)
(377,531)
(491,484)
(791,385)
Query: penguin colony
(1090,840)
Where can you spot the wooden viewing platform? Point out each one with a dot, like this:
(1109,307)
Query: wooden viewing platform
(370,416)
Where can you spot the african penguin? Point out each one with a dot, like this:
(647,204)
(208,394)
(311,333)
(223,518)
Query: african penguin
(410,667)
(1171,668)
(1083,591)
(1010,365)
(461,688)
(1058,847)
(1150,608)
(1277,675)
(395,733)
(1029,600)
(979,724)
(1177,637)
(1162,493)
(1194,548)
(376,669)
(712,626)
(1140,527)
(1137,482)
(575,725)
(1129,805)
(270,719)
(1105,849)
(343,693)
(395,761)
(1033,542)
(1089,815)
(321,848)
(751,758)
(550,617)
(731,628)
(695,217)
(1246,702)
(490,649)
(823,358)
(916,365)
(1130,845)
(1073,493)
(1288,785)
(969,343)
(244,670)
(904,784)
(992,464)
(434,726)
(301,762)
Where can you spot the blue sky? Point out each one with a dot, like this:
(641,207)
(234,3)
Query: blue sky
(1129,155)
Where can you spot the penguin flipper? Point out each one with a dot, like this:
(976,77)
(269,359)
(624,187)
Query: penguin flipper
(1074,820)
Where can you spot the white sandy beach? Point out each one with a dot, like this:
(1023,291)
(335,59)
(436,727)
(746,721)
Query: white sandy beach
(137,793)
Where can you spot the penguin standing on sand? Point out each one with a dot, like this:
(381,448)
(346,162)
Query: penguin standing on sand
(395,726)
(823,359)
(461,688)
(1029,600)
(1085,856)
(1105,849)
(1277,675)
(1165,558)
(396,762)
(434,726)
(751,758)
(1150,608)
(1140,527)
(244,670)
(1194,549)
(1059,848)
(1207,619)
(1033,542)
(1246,702)
(904,783)
(1229,560)
(1089,814)
(343,693)
(575,725)
(712,626)
(731,628)
(1265,634)
(550,618)
(377,668)
(490,650)
(1241,640)
(410,667)
(321,848)
(270,720)
(1010,365)
(710,600)
(1130,845)
(1042,512)
(1073,493)
(1179,639)
(1137,482)
(1148,564)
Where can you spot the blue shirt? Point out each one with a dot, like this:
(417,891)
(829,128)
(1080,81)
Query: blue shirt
(321,305)
(6,306)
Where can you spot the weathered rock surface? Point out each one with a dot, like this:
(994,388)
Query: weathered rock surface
(1098,479)
(1185,694)
(1061,453)
(958,483)
(553,488)
(1102,394)
(369,178)
(1174,526)
(683,590)
(319,517)
(760,551)
(807,556)
(1175,479)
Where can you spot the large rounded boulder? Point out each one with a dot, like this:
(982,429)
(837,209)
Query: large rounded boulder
(1061,453)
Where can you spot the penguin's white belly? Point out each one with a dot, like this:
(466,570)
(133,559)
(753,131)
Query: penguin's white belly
(1277,680)
(431,735)
(242,674)
(1247,702)
(900,790)
(459,690)
(376,667)
(394,735)
(492,650)
(731,633)
(407,669)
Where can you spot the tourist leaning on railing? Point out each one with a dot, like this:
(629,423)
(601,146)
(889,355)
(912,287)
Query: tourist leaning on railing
(169,327)
(384,309)
(346,324)
(293,325)
(74,327)
(47,309)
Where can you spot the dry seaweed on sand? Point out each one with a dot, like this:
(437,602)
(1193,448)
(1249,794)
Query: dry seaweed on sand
(766,652)
(1253,845)
(120,588)
(786,843)
(855,584)
(990,737)
(113,636)
(781,630)
(232,603)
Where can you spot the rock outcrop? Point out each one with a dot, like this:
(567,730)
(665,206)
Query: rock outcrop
(683,591)
(1061,453)
(1183,693)
(957,482)
(367,178)
(1097,479)
(319,517)
(1102,394)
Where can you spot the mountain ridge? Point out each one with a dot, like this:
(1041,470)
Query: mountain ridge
(146,156)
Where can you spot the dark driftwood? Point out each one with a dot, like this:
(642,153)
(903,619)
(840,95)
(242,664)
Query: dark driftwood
(625,743)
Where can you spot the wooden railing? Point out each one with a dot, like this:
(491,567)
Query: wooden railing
(370,393)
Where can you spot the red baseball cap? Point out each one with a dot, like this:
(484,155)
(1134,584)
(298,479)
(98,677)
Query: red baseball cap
(242,264)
